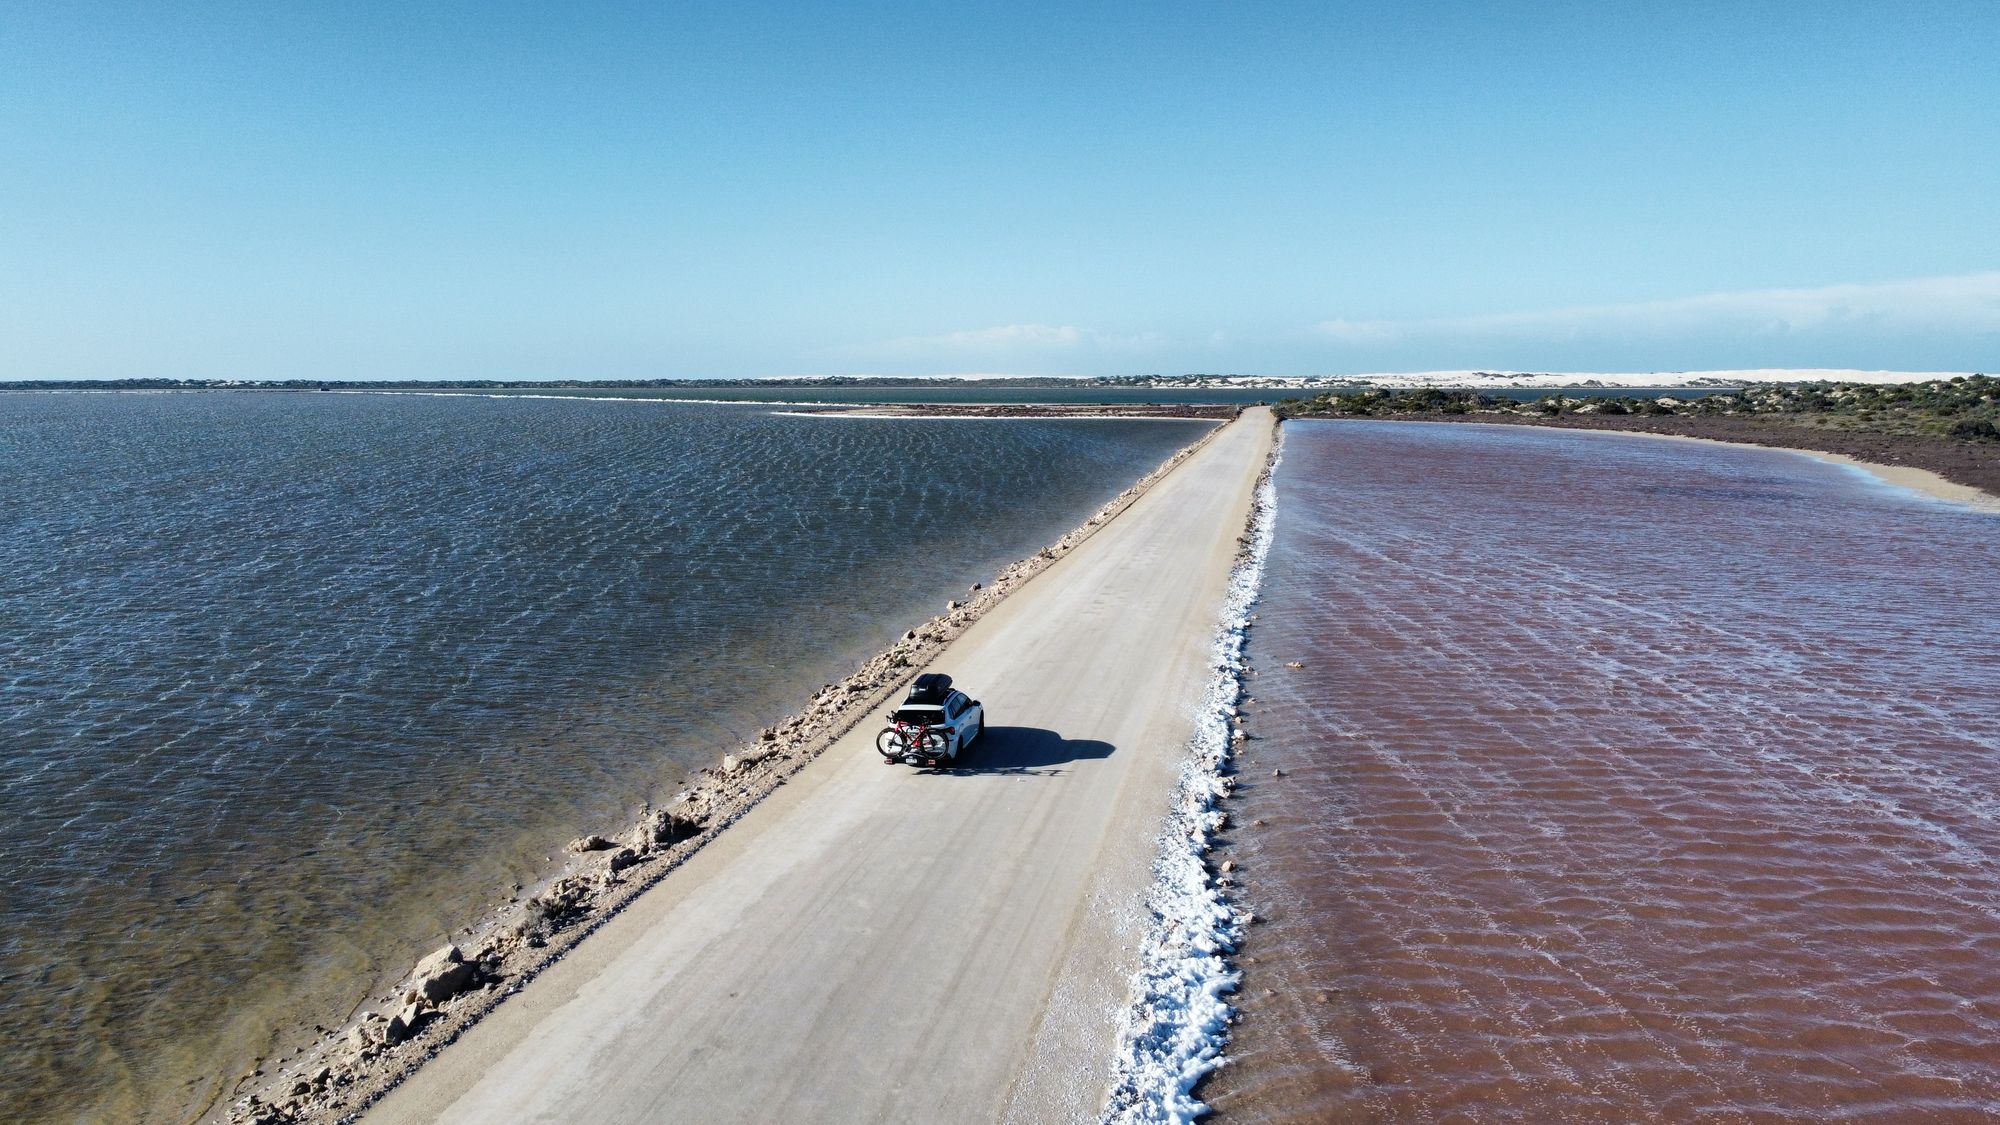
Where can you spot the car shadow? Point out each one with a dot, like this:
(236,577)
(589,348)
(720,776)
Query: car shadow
(1023,750)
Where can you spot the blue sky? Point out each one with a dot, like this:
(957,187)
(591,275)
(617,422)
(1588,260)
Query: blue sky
(668,190)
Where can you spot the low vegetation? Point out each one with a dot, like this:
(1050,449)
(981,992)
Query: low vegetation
(1965,407)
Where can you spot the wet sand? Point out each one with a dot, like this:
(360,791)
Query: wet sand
(1621,781)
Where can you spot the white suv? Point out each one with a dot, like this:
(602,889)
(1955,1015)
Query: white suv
(935,724)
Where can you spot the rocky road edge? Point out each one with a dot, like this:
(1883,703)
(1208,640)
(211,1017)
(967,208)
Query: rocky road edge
(349,1068)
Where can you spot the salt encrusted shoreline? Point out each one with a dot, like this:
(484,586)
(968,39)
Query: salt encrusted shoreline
(1178,1024)
(347,1069)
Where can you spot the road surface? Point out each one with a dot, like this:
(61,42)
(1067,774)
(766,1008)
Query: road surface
(880,943)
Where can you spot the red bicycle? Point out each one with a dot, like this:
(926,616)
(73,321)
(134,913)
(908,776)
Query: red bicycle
(933,725)
(912,741)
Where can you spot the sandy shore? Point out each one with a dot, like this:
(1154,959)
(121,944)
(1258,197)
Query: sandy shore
(1906,476)
(1917,479)
(858,896)
(1922,480)
(1967,472)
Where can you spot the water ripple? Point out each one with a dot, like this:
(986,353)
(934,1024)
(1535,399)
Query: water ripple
(1625,780)
(288,681)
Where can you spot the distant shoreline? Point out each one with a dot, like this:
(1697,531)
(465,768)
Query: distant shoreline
(1938,436)
(1965,472)
(1457,379)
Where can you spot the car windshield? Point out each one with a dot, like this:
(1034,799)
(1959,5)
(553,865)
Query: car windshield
(920,716)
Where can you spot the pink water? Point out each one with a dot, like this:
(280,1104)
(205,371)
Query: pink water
(1625,780)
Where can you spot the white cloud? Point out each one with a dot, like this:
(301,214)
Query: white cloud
(1957,304)
(1017,339)
(1003,336)
(1358,331)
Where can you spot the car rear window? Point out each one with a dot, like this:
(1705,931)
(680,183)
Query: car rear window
(922,715)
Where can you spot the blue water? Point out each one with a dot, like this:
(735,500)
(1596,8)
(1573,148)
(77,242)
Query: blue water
(291,682)
(975,393)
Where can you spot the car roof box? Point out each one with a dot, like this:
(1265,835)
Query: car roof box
(931,688)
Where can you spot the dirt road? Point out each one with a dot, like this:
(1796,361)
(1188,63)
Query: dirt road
(880,943)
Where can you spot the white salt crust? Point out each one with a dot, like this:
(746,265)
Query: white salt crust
(1176,1028)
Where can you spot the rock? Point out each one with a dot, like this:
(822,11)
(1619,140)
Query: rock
(640,837)
(1239,736)
(359,1038)
(769,734)
(659,827)
(1277,773)
(621,859)
(566,900)
(1293,664)
(443,975)
(975,587)
(1228,865)
(684,820)
(589,844)
(1257,824)
(403,1025)
(448,955)
(748,756)
(910,636)
(951,605)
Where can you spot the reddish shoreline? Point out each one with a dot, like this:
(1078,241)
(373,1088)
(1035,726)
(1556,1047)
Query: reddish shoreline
(1970,463)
